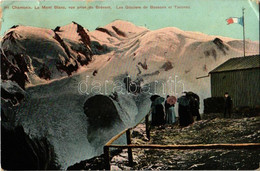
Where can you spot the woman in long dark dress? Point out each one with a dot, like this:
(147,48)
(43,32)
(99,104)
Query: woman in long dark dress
(194,104)
(185,115)
(158,117)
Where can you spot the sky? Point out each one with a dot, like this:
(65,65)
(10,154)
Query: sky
(206,16)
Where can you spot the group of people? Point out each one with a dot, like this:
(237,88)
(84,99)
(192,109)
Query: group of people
(165,114)
(188,109)
(162,114)
(189,105)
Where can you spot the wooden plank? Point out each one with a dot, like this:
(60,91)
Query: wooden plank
(202,77)
(192,146)
(130,154)
(107,157)
(115,137)
(124,131)
(147,127)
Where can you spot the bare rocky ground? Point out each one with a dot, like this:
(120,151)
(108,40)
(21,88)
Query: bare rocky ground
(212,129)
(208,131)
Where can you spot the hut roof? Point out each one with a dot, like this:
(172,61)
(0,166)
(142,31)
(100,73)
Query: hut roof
(239,63)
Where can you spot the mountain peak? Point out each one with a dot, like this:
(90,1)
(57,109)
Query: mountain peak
(14,26)
(217,41)
(125,28)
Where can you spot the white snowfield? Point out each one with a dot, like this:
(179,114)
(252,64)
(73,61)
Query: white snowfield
(54,108)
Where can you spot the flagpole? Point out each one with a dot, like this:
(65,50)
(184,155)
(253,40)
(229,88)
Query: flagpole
(244,42)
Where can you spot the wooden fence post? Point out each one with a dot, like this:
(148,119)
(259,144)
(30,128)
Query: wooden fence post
(130,155)
(107,157)
(147,127)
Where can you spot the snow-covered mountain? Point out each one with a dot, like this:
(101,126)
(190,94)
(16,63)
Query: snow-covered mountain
(38,53)
(59,71)
(43,54)
(164,54)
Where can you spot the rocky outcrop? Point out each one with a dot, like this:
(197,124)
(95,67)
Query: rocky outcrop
(57,29)
(20,152)
(143,65)
(14,98)
(119,32)
(45,73)
(14,73)
(167,66)
(61,42)
(220,45)
(98,49)
(82,47)
(211,52)
(84,36)
(104,31)
(66,65)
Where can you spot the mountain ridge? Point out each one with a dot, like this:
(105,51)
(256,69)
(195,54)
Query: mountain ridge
(46,54)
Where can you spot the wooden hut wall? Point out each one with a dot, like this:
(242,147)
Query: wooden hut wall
(242,85)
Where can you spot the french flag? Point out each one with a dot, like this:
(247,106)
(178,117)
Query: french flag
(237,20)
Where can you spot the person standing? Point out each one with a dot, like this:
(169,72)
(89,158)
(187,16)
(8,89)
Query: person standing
(194,104)
(228,105)
(185,115)
(170,113)
(158,117)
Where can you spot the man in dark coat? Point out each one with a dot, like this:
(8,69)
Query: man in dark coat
(228,105)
